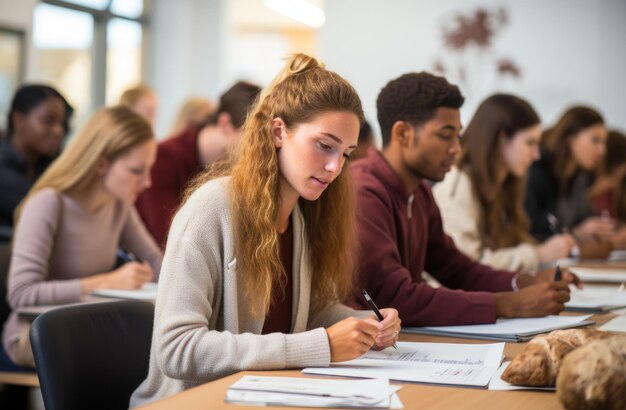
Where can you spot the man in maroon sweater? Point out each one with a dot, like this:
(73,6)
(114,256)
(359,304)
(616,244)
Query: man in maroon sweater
(183,157)
(400,229)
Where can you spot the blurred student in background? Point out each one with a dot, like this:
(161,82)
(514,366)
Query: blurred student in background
(608,193)
(557,190)
(37,123)
(366,141)
(183,157)
(482,199)
(194,112)
(75,217)
(143,100)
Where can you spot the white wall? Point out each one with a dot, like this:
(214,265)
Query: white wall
(569,51)
(18,15)
(186,49)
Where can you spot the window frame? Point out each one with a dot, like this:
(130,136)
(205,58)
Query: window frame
(101,20)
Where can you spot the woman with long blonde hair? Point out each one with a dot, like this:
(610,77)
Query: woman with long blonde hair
(256,262)
(71,224)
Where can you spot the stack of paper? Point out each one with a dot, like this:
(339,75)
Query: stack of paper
(596,299)
(303,392)
(506,330)
(437,363)
(600,274)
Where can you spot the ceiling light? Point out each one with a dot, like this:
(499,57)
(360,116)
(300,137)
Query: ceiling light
(300,10)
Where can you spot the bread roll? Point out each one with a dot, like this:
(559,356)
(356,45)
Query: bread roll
(538,363)
(594,376)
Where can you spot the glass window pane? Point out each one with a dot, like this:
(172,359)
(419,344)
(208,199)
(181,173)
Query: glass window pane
(62,57)
(94,4)
(123,57)
(127,8)
(10,70)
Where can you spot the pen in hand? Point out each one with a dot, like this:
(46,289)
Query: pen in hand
(557,274)
(374,308)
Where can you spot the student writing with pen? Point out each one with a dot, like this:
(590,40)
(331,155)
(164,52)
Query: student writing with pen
(559,182)
(256,261)
(481,199)
(75,218)
(399,224)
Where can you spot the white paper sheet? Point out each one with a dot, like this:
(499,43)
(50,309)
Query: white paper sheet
(517,326)
(305,392)
(600,298)
(147,293)
(617,324)
(437,363)
(599,274)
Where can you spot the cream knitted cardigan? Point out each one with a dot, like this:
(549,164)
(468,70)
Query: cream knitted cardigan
(202,328)
(461,213)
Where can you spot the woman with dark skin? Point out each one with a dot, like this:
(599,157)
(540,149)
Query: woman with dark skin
(37,123)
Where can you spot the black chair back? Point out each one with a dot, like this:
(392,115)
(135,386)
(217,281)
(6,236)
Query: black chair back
(5,260)
(92,356)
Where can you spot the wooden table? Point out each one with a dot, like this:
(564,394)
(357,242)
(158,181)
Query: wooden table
(414,396)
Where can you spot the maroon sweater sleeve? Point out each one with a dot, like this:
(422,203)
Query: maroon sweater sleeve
(157,204)
(384,258)
(449,265)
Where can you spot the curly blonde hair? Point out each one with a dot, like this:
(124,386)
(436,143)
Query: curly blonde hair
(302,91)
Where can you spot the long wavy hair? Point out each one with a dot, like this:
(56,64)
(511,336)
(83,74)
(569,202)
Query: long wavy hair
(500,193)
(556,146)
(109,133)
(303,90)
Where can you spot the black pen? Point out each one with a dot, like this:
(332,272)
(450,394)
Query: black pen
(557,274)
(374,308)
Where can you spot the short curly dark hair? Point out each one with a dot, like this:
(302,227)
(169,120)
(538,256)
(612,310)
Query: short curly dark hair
(414,98)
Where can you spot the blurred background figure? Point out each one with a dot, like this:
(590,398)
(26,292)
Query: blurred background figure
(143,100)
(366,140)
(194,112)
(482,199)
(557,190)
(37,123)
(182,157)
(74,219)
(608,193)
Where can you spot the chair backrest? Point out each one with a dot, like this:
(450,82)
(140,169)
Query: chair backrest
(5,260)
(92,356)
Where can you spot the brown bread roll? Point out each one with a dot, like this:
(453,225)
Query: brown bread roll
(538,363)
(594,376)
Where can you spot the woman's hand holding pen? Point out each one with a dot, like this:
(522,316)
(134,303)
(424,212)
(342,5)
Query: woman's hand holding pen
(388,328)
(595,229)
(131,275)
(557,247)
(351,338)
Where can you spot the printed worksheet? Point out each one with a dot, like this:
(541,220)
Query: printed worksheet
(436,363)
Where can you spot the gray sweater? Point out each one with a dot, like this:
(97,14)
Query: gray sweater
(48,261)
(203,329)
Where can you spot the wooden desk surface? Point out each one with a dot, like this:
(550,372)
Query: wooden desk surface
(414,396)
